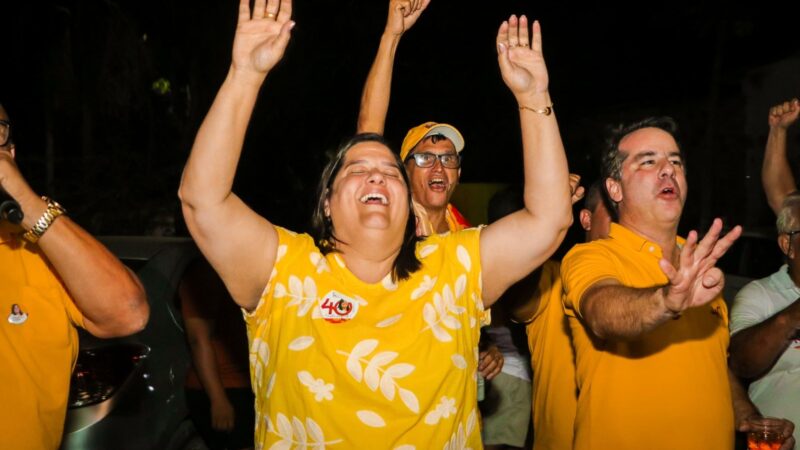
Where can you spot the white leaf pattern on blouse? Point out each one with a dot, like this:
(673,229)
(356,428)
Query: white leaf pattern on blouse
(427,250)
(270,385)
(371,418)
(389,321)
(371,375)
(361,349)
(280,253)
(431,318)
(339,261)
(361,301)
(315,432)
(441,314)
(443,410)
(299,433)
(472,420)
(317,386)
(388,283)
(280,291)
(409,399)
(460,286)
(259,359)
(459,361)
(319,262)
(293,433)
(427,284)
(303,293)
(301,343)
(463,257)
(375,375)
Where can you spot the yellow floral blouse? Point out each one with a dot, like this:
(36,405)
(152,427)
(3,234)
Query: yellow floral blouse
(336,362)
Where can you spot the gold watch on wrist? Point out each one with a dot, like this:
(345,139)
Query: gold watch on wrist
(53,211)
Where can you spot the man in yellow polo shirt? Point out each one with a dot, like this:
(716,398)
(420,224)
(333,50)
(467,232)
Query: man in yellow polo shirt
(649,325)
(53,277)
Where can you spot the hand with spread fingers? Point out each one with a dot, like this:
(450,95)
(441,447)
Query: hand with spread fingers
(519,53)
(403,14)
(261,35)
(696,281)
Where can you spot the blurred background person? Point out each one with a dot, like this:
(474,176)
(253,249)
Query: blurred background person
(218,391)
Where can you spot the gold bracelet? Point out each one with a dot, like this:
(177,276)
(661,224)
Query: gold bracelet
(53,211)
(547,110)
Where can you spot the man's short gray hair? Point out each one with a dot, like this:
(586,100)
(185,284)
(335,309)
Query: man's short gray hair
(788,219)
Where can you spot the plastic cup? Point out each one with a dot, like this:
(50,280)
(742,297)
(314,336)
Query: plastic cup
(766,434)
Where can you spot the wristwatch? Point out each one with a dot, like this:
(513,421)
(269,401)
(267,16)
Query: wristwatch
(53,211)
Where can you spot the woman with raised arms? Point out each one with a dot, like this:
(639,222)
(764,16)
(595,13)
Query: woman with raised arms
(366,336)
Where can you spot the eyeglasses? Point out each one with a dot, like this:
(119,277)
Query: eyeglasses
(791,233)
(5,132)
(425,160)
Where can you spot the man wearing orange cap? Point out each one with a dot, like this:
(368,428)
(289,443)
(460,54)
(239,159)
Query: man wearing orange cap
(431,151)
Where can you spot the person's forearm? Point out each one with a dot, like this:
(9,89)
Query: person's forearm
(743,408)
(377,89)
(754,350)
(108,295)
(776,174)
(621,312)
(205,365)
(547,194)
(208,176)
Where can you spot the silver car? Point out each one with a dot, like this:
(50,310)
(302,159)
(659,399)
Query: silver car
(127,393)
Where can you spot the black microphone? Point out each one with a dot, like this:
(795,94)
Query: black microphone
(9,209)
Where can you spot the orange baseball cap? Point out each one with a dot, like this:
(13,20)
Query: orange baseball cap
(420,132)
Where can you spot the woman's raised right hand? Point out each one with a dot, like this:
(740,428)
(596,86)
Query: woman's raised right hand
(261,35)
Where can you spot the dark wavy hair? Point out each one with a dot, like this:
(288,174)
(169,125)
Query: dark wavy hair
(406,262)
(613,157)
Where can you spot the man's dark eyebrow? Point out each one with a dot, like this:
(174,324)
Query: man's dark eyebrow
(644,154)
(676,153)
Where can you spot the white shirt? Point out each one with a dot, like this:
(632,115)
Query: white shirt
(776,392)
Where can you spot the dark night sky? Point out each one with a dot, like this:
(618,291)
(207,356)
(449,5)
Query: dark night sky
(81,73)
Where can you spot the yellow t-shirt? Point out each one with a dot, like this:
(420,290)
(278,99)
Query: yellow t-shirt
(338,361)
(553,361)
(669,388)
(38,346)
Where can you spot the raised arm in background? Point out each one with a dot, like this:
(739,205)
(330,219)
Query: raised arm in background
(776,175)
(403,14)
(239,244)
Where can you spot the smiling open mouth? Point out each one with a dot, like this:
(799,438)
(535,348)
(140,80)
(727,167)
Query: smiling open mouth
(375,199)
(437,183)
